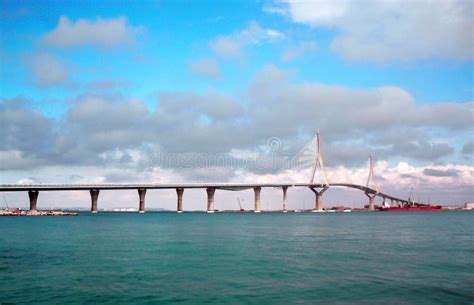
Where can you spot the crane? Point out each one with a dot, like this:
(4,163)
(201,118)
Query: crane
(240,205)
(4,199)
(410,195)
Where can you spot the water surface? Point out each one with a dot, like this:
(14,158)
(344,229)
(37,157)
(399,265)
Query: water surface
(239,258)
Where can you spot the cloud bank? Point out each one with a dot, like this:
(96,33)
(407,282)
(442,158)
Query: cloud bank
(384,31)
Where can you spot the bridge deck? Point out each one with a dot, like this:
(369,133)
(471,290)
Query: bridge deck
(222,186)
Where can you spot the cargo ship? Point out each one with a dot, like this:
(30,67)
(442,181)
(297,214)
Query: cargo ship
(412,208)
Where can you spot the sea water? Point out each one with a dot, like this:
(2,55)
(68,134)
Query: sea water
(239,258)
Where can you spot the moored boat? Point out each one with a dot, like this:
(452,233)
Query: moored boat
(412,208)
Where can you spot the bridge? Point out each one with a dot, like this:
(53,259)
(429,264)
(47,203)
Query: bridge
(317,188)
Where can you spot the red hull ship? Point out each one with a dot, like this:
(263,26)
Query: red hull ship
(412,208)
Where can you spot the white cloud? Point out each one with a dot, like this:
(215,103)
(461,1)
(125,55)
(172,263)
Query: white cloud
(102,33)
(381,31)
(206,67)
(226,47)
(386,119)
(231,46)
(47,70)
(107,84)
(299,50)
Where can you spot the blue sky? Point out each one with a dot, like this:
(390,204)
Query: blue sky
(175,33)
(394,78)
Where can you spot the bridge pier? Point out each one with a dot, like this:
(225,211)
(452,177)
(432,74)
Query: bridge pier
(180,192)
(94,198)
(371,201)
(33,194)
(257,199)
(318,206)
(210,199)
(141,205)
(285,198)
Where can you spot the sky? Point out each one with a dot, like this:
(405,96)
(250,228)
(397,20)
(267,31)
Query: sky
(211,91)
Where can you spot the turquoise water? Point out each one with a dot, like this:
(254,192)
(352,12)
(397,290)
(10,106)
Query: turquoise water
(242,258)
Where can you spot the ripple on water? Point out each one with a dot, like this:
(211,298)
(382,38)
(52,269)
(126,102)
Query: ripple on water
(409,258)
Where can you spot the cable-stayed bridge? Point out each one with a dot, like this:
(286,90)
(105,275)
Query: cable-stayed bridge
(310,155)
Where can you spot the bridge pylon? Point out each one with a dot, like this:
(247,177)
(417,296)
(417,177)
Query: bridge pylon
(376,190)
(319,189)
(319,162)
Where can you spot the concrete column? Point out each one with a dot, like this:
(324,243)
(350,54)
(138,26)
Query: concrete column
(371,201)
(33,199)
(318,204)
(180,192)
(391,202)
(257,199)
(94,197)
(285,198)
(210,199)
(141,205)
